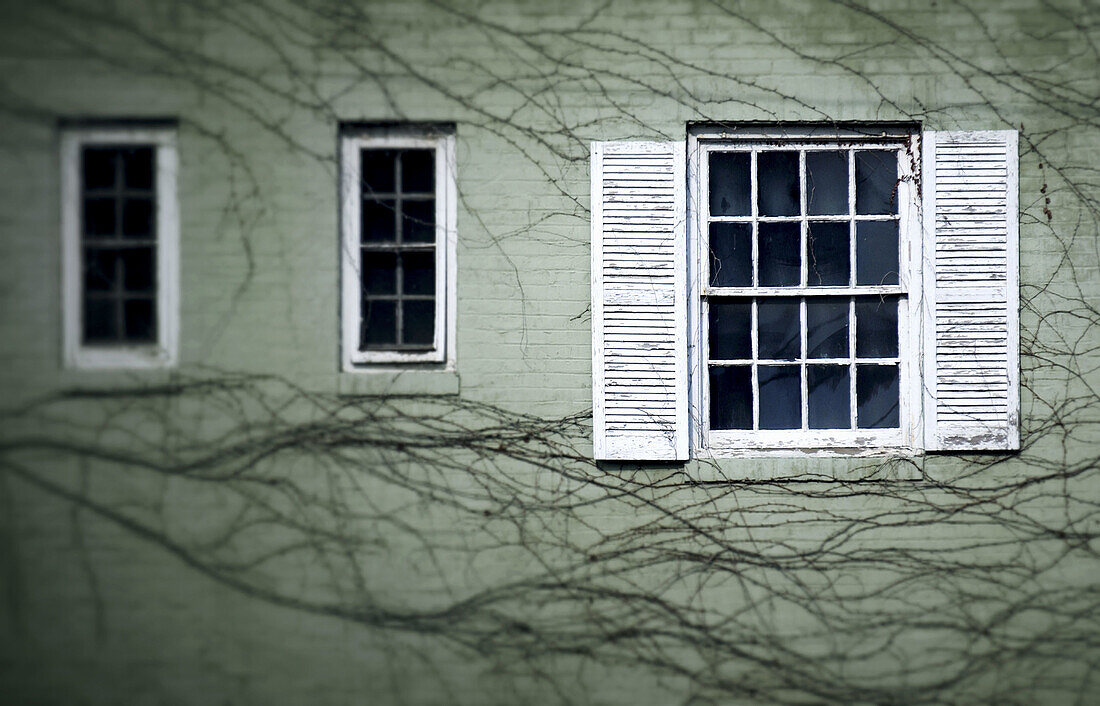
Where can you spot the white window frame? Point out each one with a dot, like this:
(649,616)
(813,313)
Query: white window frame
(353,140)
(908,438)
(162,353)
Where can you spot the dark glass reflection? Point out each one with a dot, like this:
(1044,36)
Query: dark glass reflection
(731,397)
(780,396)
(137,167)
(876,327)
(730,255)
(99,167)
(826,183)
(379,325)
(418,171)
(827,255)
(99,269)
(826,328)
(829,398)
(777,179)
(139,317)
(779,334)
(99,217)
(418,322)
(876,182)
(137,218)
(418,272)
(877,252)
(730,329)
(877,397)
(100,322)
(779,261)
(418,221)
(138,269)
(730,186)
(379,221)
(379,272)
(378,171)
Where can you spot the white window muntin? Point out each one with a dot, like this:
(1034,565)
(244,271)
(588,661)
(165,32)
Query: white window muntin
(162,353)
(855,440)
(442,350)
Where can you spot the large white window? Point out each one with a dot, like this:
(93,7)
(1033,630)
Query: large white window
(120,246)
(794,289)
(804,250)
(398,242)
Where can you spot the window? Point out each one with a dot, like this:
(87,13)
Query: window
(119,246)
(398,241)
(805,289)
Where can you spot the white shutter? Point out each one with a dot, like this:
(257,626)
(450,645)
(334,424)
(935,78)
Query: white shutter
(639,306)
(972,291)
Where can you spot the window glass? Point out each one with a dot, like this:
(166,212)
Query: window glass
(807,358)
(118,234)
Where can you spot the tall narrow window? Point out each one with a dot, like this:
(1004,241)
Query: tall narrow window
(398,239)
(119,229)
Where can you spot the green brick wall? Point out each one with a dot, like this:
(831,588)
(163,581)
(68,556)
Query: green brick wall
(499,566)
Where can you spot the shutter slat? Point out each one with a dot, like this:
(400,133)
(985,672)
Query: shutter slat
(972,291)
(639,307)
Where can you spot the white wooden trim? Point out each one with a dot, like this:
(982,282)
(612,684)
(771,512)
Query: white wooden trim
(164,352)
(446,212)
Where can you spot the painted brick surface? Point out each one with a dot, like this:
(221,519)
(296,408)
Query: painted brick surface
(96,613)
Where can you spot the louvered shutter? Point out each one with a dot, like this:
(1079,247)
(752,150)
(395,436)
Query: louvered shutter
(972,352)
(639,306)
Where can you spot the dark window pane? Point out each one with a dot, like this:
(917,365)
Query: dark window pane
(731,397)
(877,252)
(100,323)
(379,272)
(99,269)
(418,171)
(419,221)
(139,270)
(379,221)
(826,183)
(379,325)
(777,183)
(378,171)
(877,397)
(827,255)
(730,329)
(829,397)
(418,322)
(99,167)
(780,396)
(827,328)
(137,218)
(137,167)
(418,270)
(730,255)
(99,217)
(779,334)
(779,261)
(141,320)
(730,186)
(876,182)
(876,327)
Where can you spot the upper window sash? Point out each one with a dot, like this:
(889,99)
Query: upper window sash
(442,347)
(162,352)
